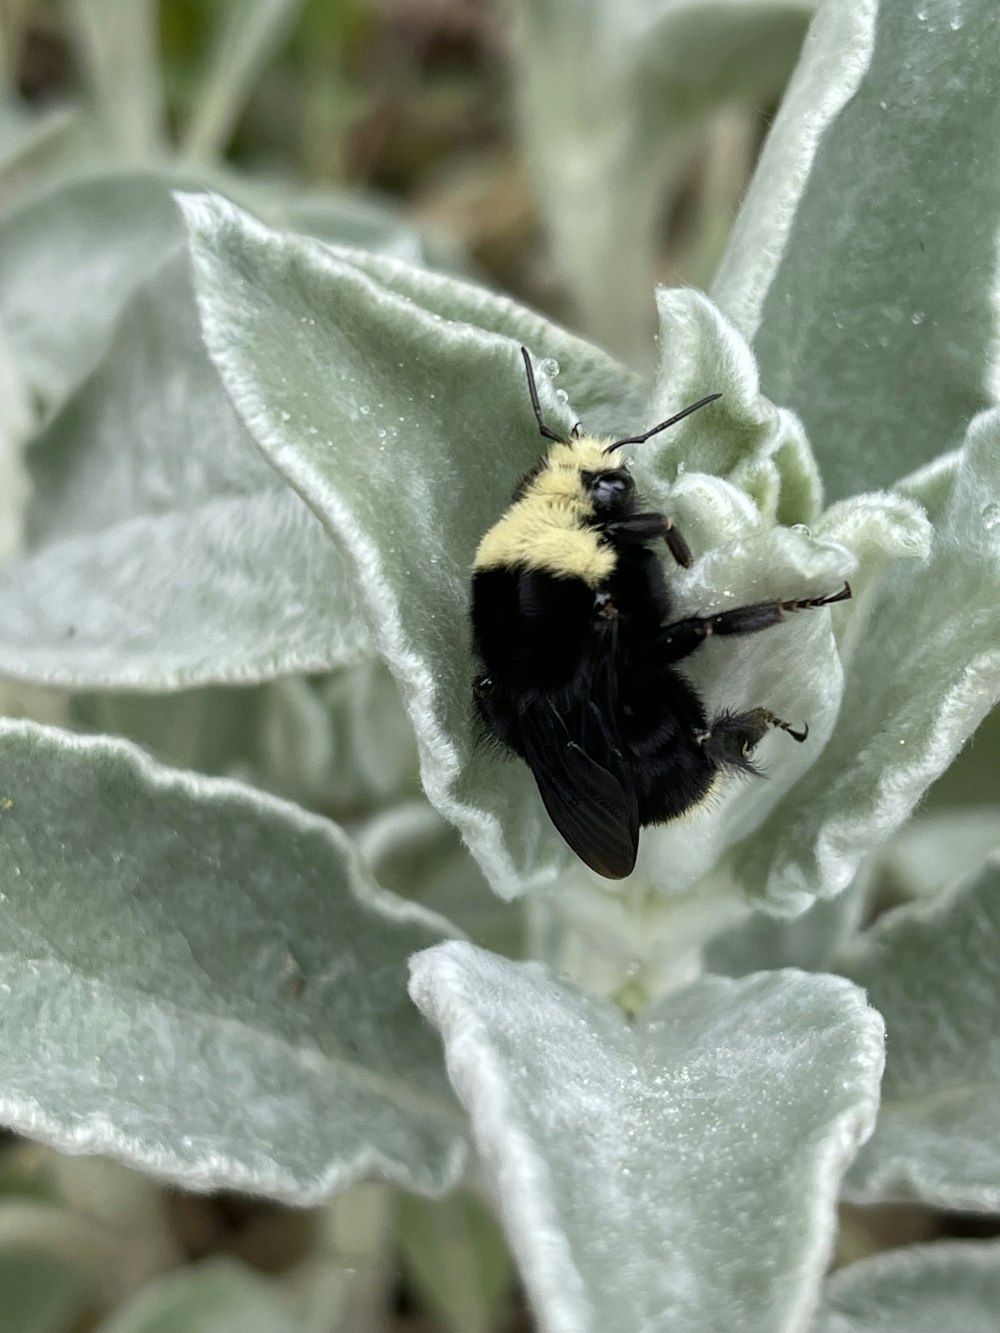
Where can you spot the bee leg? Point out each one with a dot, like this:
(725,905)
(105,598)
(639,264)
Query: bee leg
(684,636)
(638,529)
(733,737)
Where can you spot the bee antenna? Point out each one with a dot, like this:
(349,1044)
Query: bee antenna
(536,405)
(641,439)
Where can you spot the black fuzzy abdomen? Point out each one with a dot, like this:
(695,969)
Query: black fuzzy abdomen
(661,718)
(531,630)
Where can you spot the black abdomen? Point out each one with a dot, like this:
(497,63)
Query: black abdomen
(531,629)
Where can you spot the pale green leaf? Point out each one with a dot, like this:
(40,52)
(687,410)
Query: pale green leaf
(942,1288)
(934,849)
(609,96)
(933,970)
(71,257)
(220,1297)
(865,267)
(921,669)
(120,49)
(455,1254)
(744,438)
(164,551)
(38,1294)
(667,1173)
(248,33)
(834,58)
(29,138)
(214,730)
(69,260)
(338,742)
(761,942)
(417,854)
(214,990)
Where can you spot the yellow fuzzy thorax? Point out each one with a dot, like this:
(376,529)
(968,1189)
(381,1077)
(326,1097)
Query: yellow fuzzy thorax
(546,528)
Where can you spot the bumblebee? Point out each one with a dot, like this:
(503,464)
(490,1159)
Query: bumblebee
(578,646)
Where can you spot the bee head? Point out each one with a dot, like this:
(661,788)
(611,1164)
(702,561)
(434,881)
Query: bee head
(609,489)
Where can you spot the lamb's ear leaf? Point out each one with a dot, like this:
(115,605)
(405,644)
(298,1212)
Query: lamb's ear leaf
(922,1289)
(69,260)
(217,1297)
(455,1255)
(405,427)
(163,551)
(246,33)
(225,964)
(72,254)
(612,98)
(933,969)
(728,1099)
(119,50)
(863,265)
(921,659)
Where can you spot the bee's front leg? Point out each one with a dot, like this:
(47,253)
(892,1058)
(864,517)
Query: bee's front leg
(638,529)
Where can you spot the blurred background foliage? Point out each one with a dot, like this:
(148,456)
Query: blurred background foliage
(434,110)
(439,105)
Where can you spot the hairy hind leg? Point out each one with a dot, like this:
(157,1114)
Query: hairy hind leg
(732,737)
(684,636)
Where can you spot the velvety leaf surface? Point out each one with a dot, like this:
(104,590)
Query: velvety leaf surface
(922,668)
(762,942)
(933,970)
(679,1172)
(942,1288)
(164,551)
(69,260)
(215,990)
(936,848)
(72,255)
(875,271)
(339,743)
(756,446)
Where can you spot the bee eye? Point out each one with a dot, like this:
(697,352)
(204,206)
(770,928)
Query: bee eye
(482,685)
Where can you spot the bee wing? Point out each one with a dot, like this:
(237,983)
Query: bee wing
(584,784)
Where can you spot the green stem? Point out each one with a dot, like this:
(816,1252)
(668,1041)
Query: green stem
(119,42)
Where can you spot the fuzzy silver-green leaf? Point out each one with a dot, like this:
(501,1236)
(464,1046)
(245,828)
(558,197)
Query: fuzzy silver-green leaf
(213,990)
